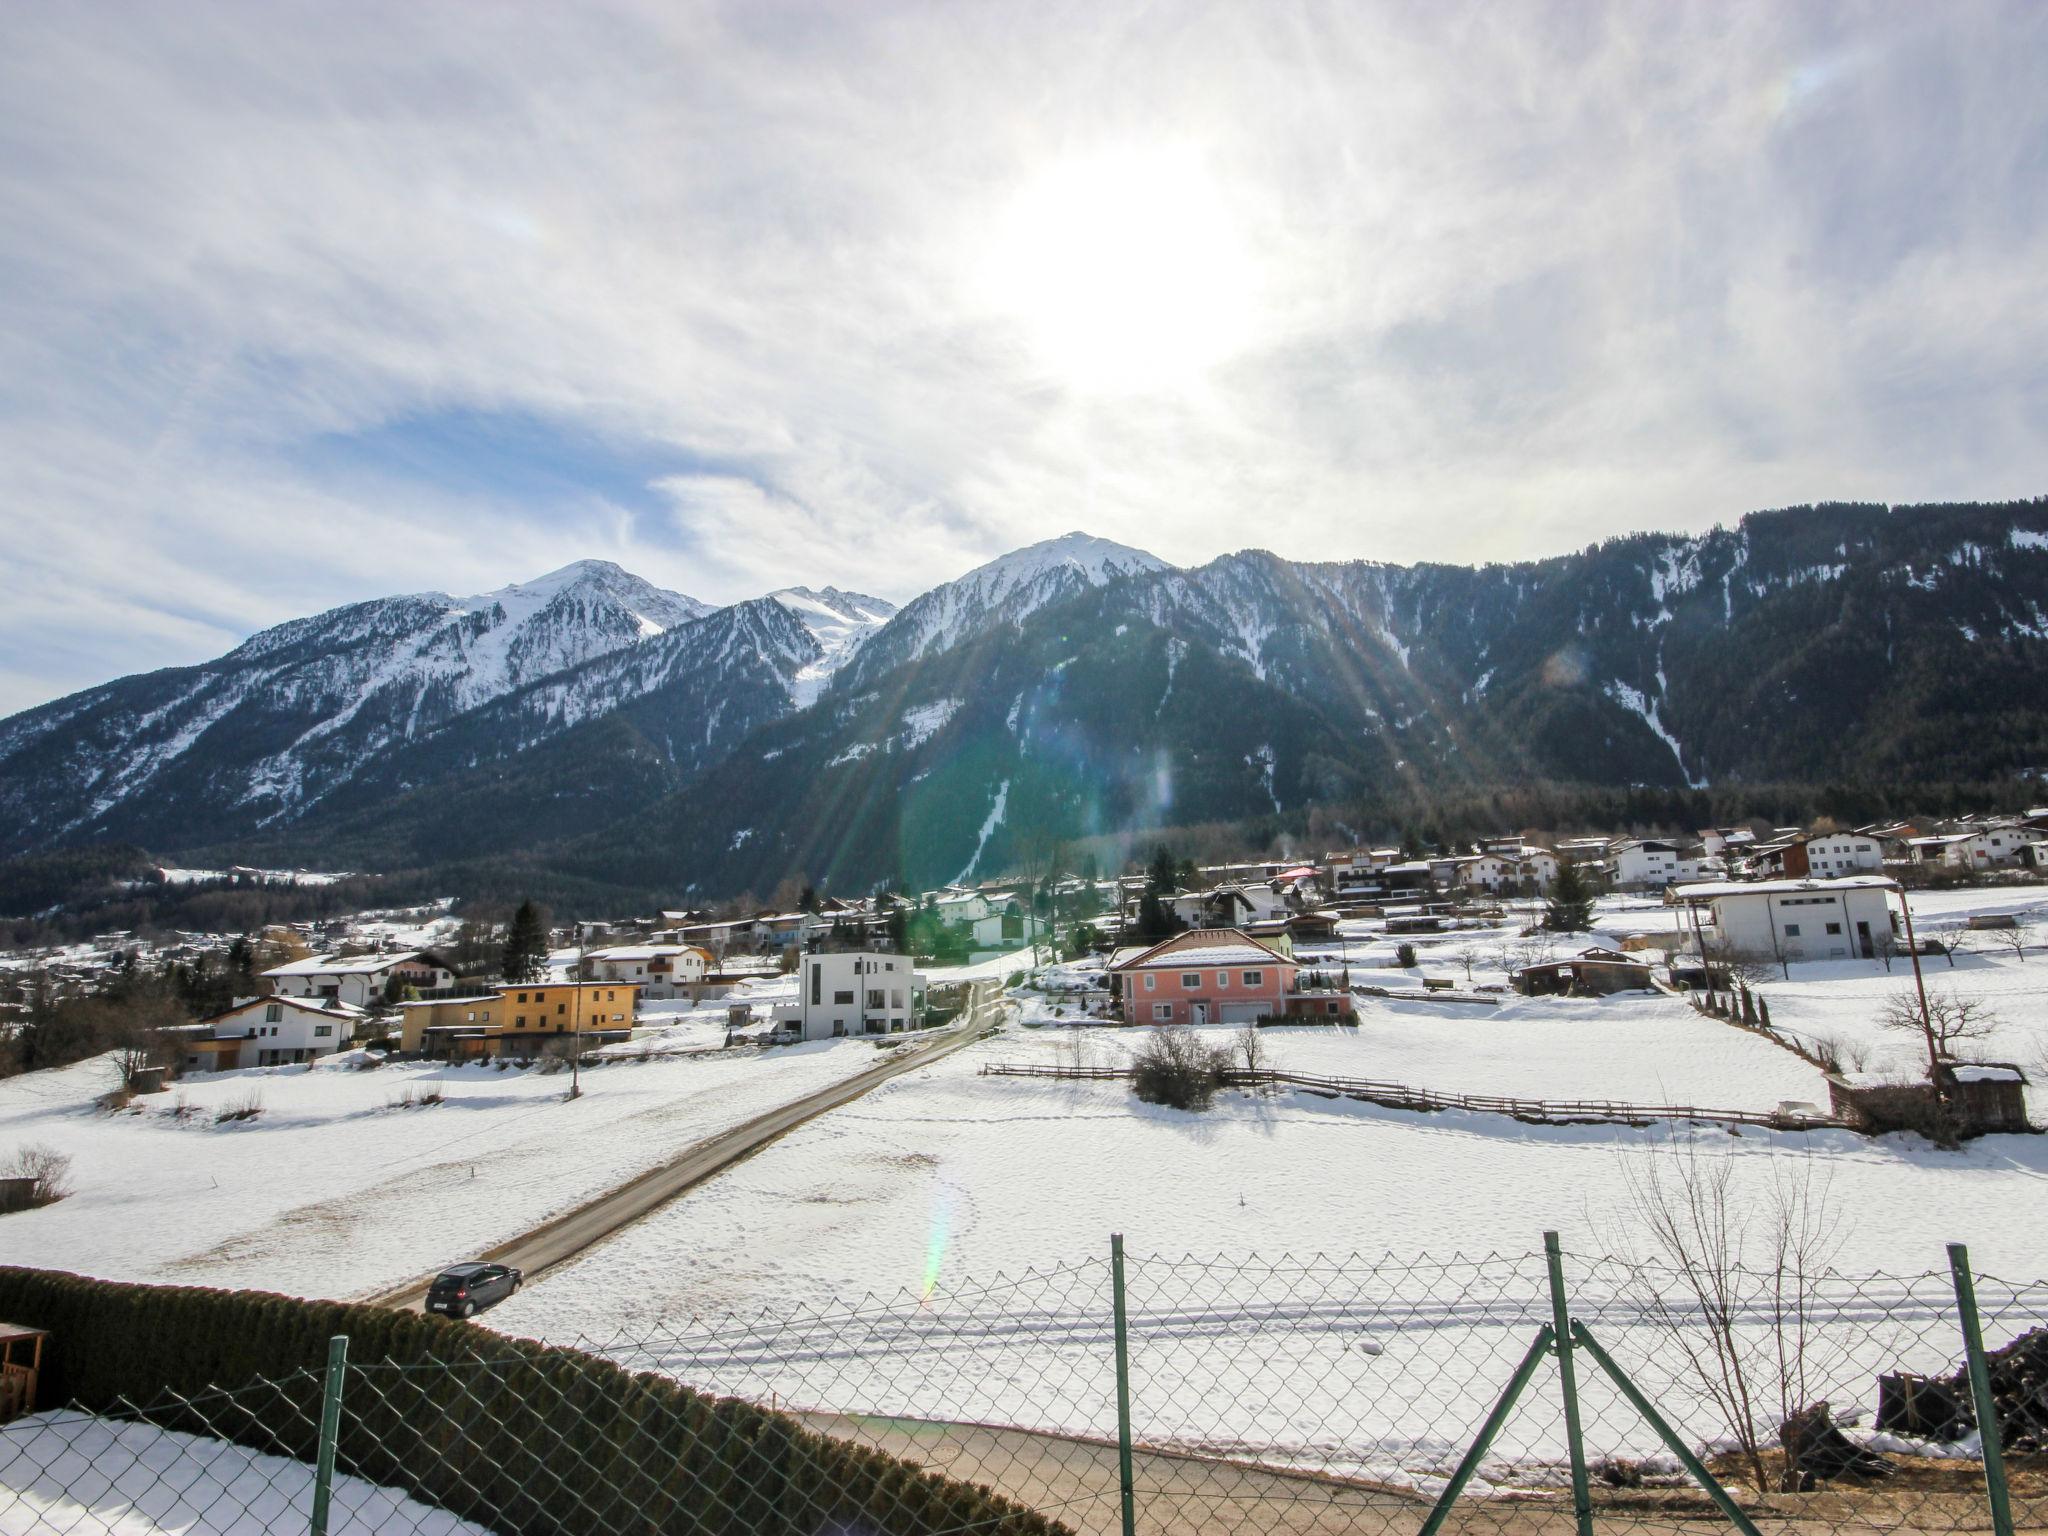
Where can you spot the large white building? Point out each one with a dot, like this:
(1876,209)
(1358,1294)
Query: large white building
(856,994)
(265,1032)
(1647,864)
(358,980)
(660,970)
(1779,920)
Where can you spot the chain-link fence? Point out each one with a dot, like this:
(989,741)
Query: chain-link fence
(1155,1395)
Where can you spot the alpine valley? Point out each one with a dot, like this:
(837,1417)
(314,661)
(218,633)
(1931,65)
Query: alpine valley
(604,730)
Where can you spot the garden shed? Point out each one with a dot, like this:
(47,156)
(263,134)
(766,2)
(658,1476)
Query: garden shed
(1593,973)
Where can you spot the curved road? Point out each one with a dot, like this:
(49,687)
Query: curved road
(565,1236)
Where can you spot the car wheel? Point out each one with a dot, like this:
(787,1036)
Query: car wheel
(466,1310)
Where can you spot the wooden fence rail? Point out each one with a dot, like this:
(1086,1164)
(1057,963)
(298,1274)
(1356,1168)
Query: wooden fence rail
(1402,1096)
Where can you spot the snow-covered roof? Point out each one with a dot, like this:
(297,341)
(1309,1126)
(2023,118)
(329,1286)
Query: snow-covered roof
(1985,1072)
(1707,890)
(335,965)
(1205,946)
(326,1007)
(641,951)
(437,1002)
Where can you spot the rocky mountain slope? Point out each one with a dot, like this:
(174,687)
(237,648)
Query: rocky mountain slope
(1071,688)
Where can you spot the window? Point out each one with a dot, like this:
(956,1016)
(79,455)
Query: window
(1255,978)
(1190,980)
(1834,927)
(817,983)
(561,1007)
(1162,1012)
(842,999)
(522,997)
(273,1013)
(1151,982)
(321,1031)
(1222,979)
(1791,930)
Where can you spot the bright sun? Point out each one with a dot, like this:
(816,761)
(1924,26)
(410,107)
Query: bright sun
(1125,271)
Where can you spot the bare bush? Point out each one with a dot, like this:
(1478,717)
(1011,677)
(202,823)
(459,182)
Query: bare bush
(1176,1069)
(247,1107)
(1249,1046)
(49,1168)
(2016,938)
(1733,1295)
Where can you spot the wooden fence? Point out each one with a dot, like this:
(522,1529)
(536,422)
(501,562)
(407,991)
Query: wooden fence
(1402,1096)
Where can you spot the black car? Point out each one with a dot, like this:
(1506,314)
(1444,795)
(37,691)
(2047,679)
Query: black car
(463,1290)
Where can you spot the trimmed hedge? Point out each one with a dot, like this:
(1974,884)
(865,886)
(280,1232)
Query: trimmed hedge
(524,1438)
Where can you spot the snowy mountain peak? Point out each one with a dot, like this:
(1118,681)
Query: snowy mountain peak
(1091,559)
(655,608)
(840,622)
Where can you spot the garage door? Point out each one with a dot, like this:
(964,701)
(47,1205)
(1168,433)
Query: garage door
(1242,1013)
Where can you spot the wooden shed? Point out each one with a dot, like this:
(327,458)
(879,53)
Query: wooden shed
(1984,1099)
(1595,973)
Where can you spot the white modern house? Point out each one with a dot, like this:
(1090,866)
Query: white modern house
(265,1032)
(853,994)
(1643,864)
(358,980)
(1780,920)
(660,970)
(1988,848)
(1830,855)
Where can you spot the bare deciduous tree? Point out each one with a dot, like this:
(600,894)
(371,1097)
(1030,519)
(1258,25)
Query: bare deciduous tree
(1950,1019)
(1250,1046)
(2016,938)
(49,1168)
(1731,1285)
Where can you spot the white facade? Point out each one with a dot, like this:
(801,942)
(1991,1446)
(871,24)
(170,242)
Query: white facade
(1538,866)
(358,980)
(660,970)
(1642,865)
(856,994)
(1485,872)
(1834,854)
(1995,848)
(1793,919)
(278,1031)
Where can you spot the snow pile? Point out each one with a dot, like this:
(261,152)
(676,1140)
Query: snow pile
(78,1474)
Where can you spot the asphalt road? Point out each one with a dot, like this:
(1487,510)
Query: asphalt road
(565,1236)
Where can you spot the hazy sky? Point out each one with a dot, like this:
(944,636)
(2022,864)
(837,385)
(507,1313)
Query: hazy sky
(304,303)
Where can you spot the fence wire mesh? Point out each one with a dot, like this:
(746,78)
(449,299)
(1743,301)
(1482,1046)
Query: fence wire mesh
(1298,1394)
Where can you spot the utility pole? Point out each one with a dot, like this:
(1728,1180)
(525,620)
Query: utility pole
(576,1021)
(1920,985)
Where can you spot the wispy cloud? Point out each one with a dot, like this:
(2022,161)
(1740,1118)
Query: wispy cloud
(302,305)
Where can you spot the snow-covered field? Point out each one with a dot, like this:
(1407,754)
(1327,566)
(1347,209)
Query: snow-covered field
(84,1476)
(341,1188)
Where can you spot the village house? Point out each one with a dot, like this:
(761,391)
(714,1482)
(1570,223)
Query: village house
(1824,856)
(416,1020)
(1998,847)
(1785,920)
(1646,864)
(1215,976)
(525,1018)
(856,993)
(1490,872)
(265,1032)
(662,971)
(359,980)
(1536,868)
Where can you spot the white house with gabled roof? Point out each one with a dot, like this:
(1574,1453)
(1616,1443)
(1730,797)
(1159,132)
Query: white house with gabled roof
(358,980)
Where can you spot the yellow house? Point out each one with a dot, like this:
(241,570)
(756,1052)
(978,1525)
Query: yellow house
(516,1019)
(444,1013)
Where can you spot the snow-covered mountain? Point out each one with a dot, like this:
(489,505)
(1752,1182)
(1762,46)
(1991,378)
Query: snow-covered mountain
(840,622)
(299,709)
(1007,590)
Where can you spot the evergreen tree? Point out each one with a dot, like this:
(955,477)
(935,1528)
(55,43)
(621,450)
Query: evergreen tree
(1569,906)
(526,946)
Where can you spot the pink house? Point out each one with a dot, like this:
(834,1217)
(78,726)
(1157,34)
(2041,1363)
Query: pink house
(1205,976)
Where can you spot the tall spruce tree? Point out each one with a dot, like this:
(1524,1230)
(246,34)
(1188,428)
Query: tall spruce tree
(1568,908)
(526,945)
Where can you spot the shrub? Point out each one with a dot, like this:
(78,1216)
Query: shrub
(1176,1069)
(50,1169)
(1404,956)
(247,1107)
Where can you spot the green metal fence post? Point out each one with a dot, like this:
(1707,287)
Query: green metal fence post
(1723,1500)
(1561,1325)
(1123,1386)
(1476,1452)
(1980,1391)
(330,1430)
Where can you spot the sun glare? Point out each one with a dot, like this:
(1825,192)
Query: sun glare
(1125,271)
